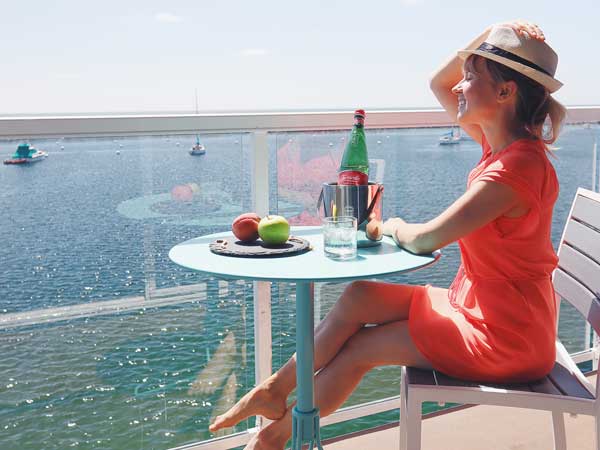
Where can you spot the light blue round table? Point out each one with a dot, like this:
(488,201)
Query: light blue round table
(303,269)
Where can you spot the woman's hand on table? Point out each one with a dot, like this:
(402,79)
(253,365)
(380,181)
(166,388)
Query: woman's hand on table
(409,236)
(391,224)
(390,227)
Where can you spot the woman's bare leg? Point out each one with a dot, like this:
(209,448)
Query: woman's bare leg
(388,344)
(362,302)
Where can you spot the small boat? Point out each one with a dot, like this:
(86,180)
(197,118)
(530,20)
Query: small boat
(453,137)
(26,154)
(197,148)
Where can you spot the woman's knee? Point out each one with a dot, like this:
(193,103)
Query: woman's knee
(356,294)
(380,302)
(359,288)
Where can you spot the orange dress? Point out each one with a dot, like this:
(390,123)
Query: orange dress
(497,321)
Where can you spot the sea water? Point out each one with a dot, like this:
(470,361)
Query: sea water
(88,225)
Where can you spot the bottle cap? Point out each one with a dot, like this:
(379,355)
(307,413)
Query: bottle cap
(359,112)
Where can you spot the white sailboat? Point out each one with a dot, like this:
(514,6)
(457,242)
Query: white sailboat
(197,149)
(452,137)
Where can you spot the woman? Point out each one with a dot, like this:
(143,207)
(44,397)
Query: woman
(496,322)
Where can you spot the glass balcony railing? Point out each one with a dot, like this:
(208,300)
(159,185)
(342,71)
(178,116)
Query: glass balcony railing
(108,344)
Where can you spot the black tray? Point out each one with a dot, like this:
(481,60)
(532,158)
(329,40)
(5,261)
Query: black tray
(258,249)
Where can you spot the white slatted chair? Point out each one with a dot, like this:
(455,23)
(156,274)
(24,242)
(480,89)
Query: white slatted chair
(565,389)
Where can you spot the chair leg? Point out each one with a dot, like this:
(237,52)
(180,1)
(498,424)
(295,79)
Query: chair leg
(403,408)
(560,437)
(597,419)
(413,423)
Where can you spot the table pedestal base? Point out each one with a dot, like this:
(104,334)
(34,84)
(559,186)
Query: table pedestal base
(305,415)
(305,428)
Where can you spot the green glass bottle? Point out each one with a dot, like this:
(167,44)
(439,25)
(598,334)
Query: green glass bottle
(354,168)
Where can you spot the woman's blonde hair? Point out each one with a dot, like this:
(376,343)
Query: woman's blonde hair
(534,104)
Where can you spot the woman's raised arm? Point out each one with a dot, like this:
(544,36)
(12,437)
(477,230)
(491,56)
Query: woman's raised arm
(450,73)
(446,77)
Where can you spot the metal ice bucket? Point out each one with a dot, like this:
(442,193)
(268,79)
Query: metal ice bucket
(364,201)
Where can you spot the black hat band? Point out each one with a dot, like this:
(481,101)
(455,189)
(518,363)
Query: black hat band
(489,48)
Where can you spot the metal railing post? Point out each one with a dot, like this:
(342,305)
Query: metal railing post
(591,339)
(591,335)
(263,351)
(595,351)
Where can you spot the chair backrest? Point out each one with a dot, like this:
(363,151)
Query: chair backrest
(577,277)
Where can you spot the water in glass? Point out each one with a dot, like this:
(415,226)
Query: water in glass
(339,237)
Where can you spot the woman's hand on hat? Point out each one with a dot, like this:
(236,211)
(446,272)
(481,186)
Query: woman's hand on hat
(526,28)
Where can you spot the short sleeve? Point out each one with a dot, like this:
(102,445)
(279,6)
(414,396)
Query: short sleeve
(521,167)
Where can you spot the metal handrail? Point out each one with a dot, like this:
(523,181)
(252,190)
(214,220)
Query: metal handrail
(122,125)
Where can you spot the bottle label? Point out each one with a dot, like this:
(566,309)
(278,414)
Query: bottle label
(352,178)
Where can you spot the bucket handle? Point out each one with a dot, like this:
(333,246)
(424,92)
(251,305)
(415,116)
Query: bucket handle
(369,209)
(320,201)
(373,201)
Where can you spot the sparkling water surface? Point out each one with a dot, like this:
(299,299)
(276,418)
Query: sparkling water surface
(95,222)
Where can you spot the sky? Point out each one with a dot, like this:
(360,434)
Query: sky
(128,56)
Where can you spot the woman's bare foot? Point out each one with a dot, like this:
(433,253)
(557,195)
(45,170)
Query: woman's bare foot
(259,442)
(259,401)
(274,435)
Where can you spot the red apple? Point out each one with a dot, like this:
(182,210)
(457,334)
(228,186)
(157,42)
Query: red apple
(245,227)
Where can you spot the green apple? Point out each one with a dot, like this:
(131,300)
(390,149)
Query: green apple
(273,229)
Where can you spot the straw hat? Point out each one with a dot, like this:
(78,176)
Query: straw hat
(528,56)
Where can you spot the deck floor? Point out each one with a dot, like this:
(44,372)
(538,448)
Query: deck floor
(483,427)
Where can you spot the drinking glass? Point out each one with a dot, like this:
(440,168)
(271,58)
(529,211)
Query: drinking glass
(339,237)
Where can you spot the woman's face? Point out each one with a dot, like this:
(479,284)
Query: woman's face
(476,92)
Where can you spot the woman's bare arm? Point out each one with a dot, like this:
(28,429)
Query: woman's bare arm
(450,73)
(482,203)
(446,77)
